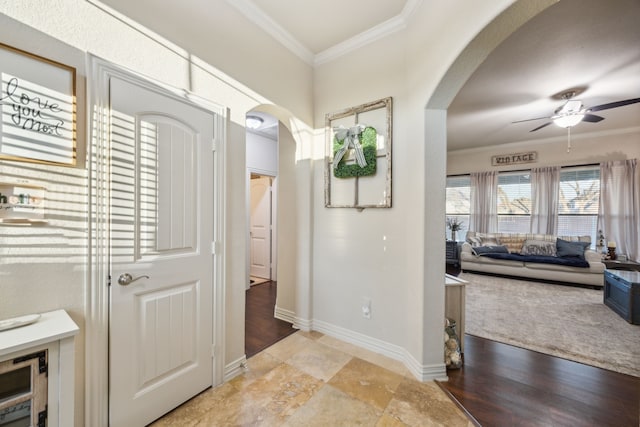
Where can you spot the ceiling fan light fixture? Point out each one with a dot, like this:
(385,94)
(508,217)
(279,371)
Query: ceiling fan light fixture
(568,120)
(253,122)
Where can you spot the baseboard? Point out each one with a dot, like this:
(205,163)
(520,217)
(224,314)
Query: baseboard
(235,368)
(284,315)
(418,370)
(290,317)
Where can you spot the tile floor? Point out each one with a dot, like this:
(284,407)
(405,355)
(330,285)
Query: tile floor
(310,379)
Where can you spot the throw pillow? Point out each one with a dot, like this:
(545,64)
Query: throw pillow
(490,241)
(482,250)
(474,241)
(571,249)
(539,247)
(513,242)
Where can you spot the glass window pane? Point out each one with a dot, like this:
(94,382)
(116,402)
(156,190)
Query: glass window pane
(458,195)
(579,191)
(513,223)
(514,194)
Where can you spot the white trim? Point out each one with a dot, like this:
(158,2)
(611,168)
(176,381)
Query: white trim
(290,317)
(284,315)
(235,368)
(550,140)
(384,29)
(256,15)
(419,371)
(97,292)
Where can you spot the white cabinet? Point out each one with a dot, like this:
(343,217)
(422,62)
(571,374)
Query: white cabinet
(454,305)
(47,344)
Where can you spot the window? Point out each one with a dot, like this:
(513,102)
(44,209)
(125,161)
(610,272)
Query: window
(514,202)
(579,202)
(458,203)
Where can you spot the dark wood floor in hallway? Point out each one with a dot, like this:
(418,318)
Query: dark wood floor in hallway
(499,385)
(262,329)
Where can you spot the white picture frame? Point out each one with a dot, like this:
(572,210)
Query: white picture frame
(361,192)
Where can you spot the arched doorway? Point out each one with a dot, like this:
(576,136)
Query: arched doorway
(435,120)
(290,210)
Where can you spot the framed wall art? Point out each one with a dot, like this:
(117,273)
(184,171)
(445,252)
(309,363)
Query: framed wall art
(38,104)
(358,156)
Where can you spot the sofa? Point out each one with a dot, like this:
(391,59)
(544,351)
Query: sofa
(533,256)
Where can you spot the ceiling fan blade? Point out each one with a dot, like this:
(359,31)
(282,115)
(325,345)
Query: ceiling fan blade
(614,104)
(529,120)
(592,118)
(540,127)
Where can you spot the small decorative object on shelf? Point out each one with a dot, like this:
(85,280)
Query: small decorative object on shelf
(611,246)
(452,353)
(454,224)
(600,245)
(21,204)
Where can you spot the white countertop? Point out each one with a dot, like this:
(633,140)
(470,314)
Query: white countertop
(51,326)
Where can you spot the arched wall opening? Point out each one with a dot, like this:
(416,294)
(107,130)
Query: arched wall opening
(293,217)
(435,120)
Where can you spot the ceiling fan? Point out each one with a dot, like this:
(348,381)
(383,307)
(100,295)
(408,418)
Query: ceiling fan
(573,112)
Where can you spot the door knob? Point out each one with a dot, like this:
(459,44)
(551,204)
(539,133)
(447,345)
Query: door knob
(126,279)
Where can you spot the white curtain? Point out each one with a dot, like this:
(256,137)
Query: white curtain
(619,217)
(545,188)
(484,202)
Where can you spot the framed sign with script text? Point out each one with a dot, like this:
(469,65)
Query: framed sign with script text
(38,104)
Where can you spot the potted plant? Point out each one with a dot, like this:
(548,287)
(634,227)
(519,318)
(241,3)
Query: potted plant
(454,224)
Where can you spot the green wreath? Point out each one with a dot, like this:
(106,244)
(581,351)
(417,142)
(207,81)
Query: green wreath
(369,141)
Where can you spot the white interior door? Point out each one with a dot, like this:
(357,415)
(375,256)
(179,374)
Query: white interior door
(161,324)
(260,223)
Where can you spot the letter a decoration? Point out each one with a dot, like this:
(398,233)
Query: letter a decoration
(360,141)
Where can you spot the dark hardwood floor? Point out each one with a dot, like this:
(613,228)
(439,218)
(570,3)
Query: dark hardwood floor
(503,385)
(261,328)
(499,385)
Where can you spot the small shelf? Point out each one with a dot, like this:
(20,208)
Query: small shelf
(23,222)
(22,204)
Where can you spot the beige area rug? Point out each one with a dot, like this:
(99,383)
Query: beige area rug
(560,320)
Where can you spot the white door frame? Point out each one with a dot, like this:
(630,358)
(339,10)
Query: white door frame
(269,231)
(97,291)
(274,229)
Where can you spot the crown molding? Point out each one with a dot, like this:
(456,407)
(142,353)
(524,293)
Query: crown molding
(390,26)
(261,19)
(550,140)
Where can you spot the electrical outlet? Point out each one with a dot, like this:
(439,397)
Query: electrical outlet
(366,308)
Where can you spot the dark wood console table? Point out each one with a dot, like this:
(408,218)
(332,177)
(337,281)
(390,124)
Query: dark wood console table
(621,265)
(452,253)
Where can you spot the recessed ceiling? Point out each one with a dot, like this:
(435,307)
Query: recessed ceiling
(319,25)
(593,45)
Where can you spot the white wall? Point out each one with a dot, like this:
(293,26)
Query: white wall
(43,268)
(586,149)
(55,277)
(262,154)
(396,256)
